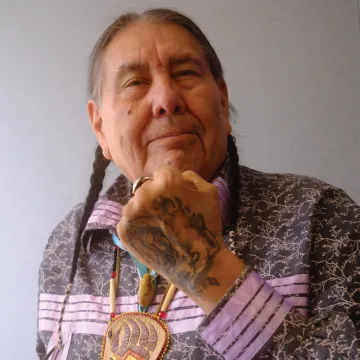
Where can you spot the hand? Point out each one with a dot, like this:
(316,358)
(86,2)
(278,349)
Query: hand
(173,226)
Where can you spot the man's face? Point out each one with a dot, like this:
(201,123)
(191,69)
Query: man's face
(160,103)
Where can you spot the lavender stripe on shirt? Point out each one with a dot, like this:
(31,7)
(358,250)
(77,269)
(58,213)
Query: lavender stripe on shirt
(260,315)
(259,341)
(247,326)
(109,205)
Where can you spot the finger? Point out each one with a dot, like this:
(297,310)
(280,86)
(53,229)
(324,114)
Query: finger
(166,176)
(140,203)
(197,180)
(139,182)
(167,170)
(144,186)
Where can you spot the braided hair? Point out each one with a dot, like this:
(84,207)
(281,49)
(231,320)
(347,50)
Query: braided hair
(100,165)
(234,179)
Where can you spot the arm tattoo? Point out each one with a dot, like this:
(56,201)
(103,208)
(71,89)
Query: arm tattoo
(186,261)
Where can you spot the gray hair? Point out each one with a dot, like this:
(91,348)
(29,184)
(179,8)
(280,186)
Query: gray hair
(159,15)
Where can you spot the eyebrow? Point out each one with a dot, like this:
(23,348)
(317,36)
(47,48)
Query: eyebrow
(185,59)
(135,66)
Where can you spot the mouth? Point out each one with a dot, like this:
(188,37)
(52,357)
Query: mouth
(174,134)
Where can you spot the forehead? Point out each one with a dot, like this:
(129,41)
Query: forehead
(151,43)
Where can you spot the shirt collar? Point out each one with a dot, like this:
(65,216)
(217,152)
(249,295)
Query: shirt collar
(108,209)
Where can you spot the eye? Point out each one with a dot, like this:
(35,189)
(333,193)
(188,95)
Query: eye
(186,73)
(135,82)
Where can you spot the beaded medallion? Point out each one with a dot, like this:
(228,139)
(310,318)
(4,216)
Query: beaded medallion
(135,336)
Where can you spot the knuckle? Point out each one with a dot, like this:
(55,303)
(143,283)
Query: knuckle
(189,173)
(164,171)
(164,177)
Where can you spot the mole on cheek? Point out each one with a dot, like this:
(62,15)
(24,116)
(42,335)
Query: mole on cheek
(129,111)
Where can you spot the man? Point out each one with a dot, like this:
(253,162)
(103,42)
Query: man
(265,265)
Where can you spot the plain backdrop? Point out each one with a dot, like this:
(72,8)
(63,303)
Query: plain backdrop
(293,71)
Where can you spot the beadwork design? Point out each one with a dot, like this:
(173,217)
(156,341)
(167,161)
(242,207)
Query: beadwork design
(135,335)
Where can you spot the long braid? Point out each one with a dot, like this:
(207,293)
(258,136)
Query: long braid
(234,175)
(96,183)
(234,186)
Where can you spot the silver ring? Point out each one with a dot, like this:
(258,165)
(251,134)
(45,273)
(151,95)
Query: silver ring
(138,182)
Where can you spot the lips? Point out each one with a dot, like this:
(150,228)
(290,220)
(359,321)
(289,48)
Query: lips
(172,134)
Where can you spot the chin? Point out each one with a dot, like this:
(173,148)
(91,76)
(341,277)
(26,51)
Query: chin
(183,160)
(194,162)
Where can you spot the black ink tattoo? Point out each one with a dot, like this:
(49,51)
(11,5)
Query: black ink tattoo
(186,262)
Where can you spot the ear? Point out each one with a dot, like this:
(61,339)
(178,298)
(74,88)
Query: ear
(225,104)
(97,125)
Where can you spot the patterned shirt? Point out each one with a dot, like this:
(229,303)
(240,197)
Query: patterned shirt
(299,297)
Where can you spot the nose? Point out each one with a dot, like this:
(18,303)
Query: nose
(166,100)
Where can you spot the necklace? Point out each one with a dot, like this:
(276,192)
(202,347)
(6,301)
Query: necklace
(140,335)
(136,335)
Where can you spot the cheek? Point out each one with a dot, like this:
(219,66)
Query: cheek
(114,131)
(207,108)
(205,103)
(115,126)
(123,132)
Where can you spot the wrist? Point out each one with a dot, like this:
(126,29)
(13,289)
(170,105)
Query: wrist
(227,268)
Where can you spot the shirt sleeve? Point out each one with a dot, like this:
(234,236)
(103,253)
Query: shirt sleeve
(253,320)
(245,319)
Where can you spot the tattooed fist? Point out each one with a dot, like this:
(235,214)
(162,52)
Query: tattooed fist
(173,226)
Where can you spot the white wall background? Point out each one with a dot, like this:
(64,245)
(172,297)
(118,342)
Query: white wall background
(293,70)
